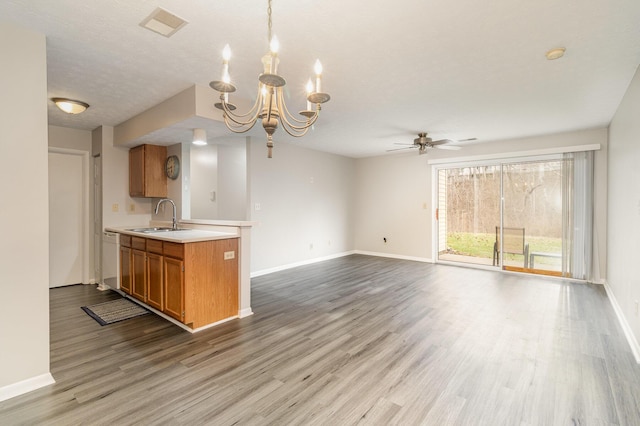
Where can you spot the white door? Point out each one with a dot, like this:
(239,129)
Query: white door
(66,219)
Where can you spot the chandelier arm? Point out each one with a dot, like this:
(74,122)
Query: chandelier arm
(237,117)
(294,133)
(229,116)
(289,119)
(286,123)
(238,128)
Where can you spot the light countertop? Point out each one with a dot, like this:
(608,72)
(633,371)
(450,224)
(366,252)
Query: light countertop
(180,236)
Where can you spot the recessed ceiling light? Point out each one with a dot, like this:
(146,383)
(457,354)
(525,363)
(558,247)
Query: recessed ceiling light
(556,53)
(70,106)
(162,22)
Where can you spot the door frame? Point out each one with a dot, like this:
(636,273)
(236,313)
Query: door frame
(85,205)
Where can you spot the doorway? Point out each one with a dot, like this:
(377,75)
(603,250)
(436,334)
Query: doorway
(68,217)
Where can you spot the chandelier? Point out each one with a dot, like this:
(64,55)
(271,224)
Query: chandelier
(270,105)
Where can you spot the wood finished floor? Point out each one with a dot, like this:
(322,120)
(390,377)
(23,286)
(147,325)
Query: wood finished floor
(355,340)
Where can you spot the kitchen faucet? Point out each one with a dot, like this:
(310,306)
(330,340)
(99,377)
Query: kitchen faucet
(175,224)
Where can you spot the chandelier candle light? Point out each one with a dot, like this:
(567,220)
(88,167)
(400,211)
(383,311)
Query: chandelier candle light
(270,105)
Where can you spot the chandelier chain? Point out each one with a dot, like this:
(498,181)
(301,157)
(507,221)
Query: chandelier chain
(269,24)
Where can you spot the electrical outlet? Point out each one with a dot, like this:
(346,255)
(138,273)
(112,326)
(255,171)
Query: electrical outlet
(115,207)
(229,255)
(257,206)
(132,207)
(311,246)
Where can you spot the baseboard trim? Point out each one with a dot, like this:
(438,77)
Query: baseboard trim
(633,343)
(395,256)
(302,263)
(245,313)
(10,391)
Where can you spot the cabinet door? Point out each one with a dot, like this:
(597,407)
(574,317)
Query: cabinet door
(136,171)
(154,281)
(125,269)
(174,288)
(155,179)
(138,274)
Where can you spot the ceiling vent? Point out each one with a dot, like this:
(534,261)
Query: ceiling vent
(162,22)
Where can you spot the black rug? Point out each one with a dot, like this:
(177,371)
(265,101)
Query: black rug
(114,311)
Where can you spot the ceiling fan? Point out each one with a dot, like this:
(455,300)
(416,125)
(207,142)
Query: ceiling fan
(422,142)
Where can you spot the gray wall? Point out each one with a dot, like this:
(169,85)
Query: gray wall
(24,252)
(306,205)
(624,206)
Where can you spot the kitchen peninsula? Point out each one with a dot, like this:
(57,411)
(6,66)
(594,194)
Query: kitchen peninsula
(191,277)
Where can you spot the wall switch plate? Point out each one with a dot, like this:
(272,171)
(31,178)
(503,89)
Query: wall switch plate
(228,255)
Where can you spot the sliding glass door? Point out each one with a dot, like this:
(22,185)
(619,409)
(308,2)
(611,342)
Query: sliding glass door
(468,211)
(529,216)
(532,216)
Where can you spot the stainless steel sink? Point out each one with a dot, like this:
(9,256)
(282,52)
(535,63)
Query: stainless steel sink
(151,230)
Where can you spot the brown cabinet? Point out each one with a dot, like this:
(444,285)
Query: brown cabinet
(174,288)
(146,171)
(125,269)
(155,280)
(125,263)
(195,283)
(139,274)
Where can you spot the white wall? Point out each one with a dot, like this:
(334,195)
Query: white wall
(624,205)
(393,201)
(115,185)
(232,182)
(64,137)
(306,198)
(204,179)
(24,252)
(392,191)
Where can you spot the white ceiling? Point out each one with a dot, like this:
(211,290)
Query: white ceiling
(455,68)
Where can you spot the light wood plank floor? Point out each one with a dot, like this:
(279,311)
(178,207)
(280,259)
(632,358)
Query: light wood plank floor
(355,340)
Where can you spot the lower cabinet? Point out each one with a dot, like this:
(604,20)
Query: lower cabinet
(155,281)
(139,274)
(195,283)
(174,288)
(125,269)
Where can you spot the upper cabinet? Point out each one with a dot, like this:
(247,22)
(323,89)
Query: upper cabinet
(146,171)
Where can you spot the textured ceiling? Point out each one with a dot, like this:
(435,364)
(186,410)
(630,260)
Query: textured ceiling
(456,69)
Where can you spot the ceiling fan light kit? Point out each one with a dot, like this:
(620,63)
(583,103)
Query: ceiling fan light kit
(270,105)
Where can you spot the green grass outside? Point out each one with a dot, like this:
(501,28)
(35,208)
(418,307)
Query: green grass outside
(481,245)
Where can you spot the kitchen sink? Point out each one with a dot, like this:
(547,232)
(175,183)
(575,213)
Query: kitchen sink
(151,230)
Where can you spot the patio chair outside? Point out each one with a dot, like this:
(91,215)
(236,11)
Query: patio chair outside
(514,243)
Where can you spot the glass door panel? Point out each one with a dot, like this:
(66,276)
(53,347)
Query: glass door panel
(532,218)
(468,213)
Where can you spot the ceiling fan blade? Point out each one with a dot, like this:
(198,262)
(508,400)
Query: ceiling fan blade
(400,149)
(440,142)
(466,140)
(448,147)
(406,144)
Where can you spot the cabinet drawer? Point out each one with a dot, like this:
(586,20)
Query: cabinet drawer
(139,243)
(154,246)
(125,240)
(175,250)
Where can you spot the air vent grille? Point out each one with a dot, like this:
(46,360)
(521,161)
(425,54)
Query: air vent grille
(163,22)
